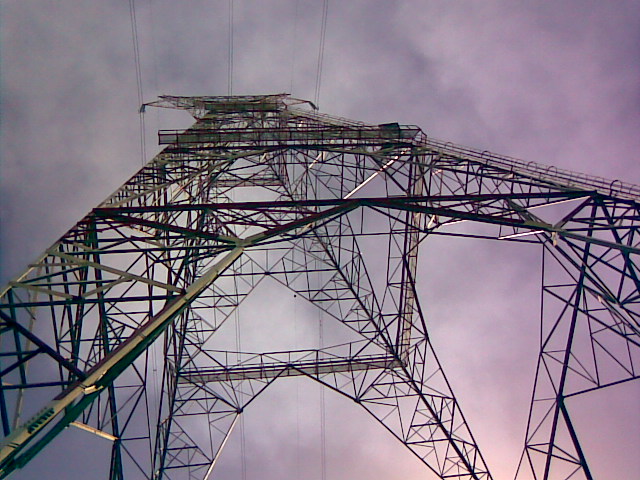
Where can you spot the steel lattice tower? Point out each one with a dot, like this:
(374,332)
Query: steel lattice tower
(334,210)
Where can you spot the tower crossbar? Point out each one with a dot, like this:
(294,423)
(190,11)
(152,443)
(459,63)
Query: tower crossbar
(264,190)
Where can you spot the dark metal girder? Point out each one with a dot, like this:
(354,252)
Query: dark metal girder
(332,202)
(179,184)
(44,347)
(270,370)
(414,204)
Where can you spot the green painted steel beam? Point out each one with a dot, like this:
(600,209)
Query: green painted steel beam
(14,451)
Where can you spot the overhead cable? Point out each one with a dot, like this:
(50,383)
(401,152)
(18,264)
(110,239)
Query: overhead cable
(230,52)
(293,47)
(136,59)
(323,31)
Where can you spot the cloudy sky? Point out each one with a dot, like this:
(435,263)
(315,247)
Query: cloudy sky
(556,82)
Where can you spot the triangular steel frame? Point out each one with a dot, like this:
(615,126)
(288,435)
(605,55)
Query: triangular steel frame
(335,212)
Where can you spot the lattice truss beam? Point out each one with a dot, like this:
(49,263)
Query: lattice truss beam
(334,210)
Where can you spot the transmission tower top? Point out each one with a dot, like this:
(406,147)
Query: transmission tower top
(201,106)
(241,107)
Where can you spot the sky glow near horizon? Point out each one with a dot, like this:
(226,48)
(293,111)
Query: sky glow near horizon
(557,83)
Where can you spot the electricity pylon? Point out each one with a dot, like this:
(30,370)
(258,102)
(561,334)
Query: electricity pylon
(334,210)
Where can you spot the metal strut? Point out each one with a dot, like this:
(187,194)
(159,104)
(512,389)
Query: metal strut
(335,212)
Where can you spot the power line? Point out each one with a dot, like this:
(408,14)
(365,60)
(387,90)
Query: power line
(295,330)
(154,49)
(323,31)
(323,409)
(136,59)
(243,444)
(323,434)
(154,56)
(230,51)
(293,46)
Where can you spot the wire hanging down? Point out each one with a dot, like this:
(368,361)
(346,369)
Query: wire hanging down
(136,59)
(230,52)
(323,32)
(293,47)
(323,407)
(243,443)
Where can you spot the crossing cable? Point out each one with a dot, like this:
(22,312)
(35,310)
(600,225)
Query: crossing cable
(236,313)
(154,54)
(293,47)
(230,52)
(154,401)
(136,58)
(297,342)
(323,433)
(154,49)
(239,360)
(323,32)
(323,410)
